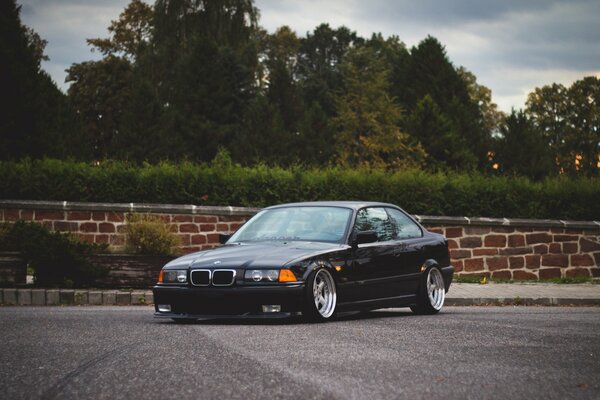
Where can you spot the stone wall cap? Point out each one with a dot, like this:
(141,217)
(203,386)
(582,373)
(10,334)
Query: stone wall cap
(434,219)
(508,222)
(489,221)
(587,225)
(249,211)
(129,207)
(536,223)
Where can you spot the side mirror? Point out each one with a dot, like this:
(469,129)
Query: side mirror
(365,237)
(223,238)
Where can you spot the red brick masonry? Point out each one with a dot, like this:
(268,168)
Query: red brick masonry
(496,248)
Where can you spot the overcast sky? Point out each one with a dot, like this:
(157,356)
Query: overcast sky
(512,46)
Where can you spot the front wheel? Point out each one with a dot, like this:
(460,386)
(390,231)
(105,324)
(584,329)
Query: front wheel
(431,293)
(321,296)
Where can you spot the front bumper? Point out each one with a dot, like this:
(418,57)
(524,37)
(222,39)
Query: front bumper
(189,302)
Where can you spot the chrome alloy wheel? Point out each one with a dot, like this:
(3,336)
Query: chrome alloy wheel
(324,293)
(435,288)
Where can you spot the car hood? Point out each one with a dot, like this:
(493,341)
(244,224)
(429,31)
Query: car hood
(254,255)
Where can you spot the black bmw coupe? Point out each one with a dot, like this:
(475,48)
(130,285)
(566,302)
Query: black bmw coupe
(313,259)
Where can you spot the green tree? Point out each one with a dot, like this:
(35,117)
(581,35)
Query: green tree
(522,149)
(202,65)
(482,96)
(367,120)
(282,90)
(262,137)
(569,119)
(394,53)
(279,48)
(129,35)
(444,145)
(428,72)
(547,108)
(35,118)
(321,54)
(141,135)
(582,138)
(100,93)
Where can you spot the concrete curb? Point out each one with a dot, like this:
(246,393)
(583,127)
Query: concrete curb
(529,294)
(56,297)
(518,301)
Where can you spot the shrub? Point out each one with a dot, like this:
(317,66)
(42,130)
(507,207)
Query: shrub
(57,259)
(223,183)
(146,234)
(4,232)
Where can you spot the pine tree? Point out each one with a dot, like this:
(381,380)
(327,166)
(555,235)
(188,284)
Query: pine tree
(428,77)
(367,120)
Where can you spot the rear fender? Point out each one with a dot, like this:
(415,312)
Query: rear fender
(447,272)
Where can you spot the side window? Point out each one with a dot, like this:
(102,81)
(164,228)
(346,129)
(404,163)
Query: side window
(405,227)
(375,219)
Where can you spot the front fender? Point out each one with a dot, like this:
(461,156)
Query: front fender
(316,264)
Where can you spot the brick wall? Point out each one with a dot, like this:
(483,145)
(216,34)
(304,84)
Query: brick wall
(197,227)
(496,248)
(521,252)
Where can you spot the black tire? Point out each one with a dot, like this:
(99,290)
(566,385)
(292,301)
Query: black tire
(321,296)
(431,293)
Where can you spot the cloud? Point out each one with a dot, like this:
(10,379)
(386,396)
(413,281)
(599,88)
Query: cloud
(66,24)
(304,16)
(512,46)
(524,80)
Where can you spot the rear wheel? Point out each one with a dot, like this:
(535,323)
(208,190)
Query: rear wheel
(321,296)
(431,293)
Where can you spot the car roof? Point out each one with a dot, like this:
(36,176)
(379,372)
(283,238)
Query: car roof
(355,205)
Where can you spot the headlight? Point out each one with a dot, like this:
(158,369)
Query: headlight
(264,275)
(256,275)
(173,276)
(272,275)
(269,275)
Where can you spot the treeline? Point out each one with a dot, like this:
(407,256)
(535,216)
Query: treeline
(181,79)
(223,182)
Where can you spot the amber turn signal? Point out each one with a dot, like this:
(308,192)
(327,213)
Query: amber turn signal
(285,275)
(160,277)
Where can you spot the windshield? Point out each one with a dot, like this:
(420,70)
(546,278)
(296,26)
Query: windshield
(316,224)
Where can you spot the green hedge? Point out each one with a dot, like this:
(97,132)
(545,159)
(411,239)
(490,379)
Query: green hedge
(221,183)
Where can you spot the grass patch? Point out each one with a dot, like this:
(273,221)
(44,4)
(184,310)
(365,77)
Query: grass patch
(571,280)
(467,279)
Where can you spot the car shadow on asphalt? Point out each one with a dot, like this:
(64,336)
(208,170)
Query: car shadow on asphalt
(296,320)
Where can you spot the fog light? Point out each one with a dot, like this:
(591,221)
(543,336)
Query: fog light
(164,308)
(271,308)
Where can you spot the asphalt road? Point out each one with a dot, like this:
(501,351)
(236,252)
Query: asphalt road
(464,352)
